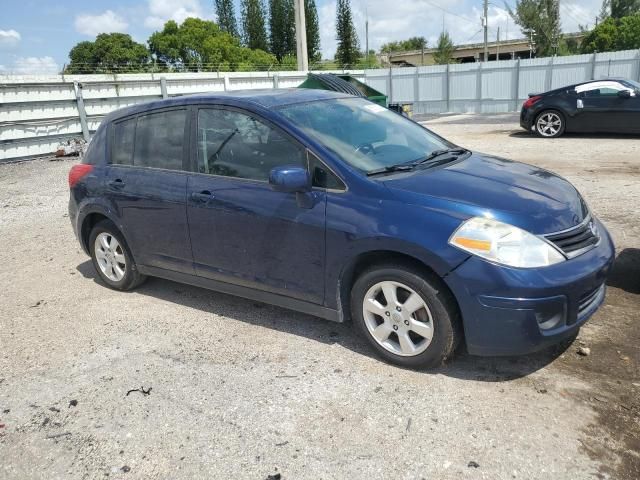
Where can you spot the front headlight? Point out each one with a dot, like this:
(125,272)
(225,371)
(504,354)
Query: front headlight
(505,244)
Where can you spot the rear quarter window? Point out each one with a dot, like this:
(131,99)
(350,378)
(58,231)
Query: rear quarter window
(96,149)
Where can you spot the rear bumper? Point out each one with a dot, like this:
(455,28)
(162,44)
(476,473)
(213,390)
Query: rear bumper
(508,311)
(526,119)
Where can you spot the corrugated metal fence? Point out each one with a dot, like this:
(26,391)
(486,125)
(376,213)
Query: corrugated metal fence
(37,112)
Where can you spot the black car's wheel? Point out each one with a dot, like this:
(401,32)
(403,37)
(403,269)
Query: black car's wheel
(408,318)
(112,258)
(550,124)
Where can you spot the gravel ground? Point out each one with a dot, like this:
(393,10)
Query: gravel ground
(238,389)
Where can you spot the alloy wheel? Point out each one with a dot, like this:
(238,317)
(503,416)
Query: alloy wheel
(110,257)
(549,124)
(398,318)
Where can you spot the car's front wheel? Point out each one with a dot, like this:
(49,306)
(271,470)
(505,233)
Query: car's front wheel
(111,257)
(550,124)
(409,318)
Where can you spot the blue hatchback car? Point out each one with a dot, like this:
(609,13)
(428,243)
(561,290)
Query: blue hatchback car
(334,206)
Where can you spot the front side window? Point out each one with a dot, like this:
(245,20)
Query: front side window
(159,140)
(234,144)
(364,134)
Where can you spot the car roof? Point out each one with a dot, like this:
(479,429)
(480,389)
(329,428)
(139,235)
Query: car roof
(568,87)
(265,98)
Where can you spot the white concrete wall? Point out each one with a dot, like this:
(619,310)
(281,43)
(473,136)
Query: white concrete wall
(37,112)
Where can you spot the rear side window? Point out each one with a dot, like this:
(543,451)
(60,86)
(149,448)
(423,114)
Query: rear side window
(159,140)
(122,146)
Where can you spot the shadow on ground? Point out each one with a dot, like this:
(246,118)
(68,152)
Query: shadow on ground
(463,366)
(605,136)
(626,271)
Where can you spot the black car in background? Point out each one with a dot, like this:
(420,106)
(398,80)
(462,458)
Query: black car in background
(607,106)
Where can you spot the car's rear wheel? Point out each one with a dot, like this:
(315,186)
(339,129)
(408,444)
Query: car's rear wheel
(409,318)
(111,257)
(550,124)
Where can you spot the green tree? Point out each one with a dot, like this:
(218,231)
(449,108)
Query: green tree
(226,17)
(348,50)
(283,28)
(110,52)
(254,32)
(542,17)
(413,43)
(613,34)
(602,38)
(629,33)
(313,31)
(624,8)
(368,60)
(200,45)
(444,49)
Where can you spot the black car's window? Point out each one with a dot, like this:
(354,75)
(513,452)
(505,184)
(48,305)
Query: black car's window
(601,89)
(159,140)
(233,144)
(321,175)
(122,146)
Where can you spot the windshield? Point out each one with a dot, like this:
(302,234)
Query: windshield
(633,83)
(364,134)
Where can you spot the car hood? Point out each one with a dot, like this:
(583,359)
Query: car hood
(523,195)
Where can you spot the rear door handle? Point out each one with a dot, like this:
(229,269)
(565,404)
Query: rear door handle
(203,197)
(116,184)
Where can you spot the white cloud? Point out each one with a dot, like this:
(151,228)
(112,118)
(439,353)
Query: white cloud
(162,10)
(34,65)
(461,18)
(106,22)
(9,38)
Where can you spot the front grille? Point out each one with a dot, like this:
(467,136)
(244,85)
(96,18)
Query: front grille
(588,300)
(576,240)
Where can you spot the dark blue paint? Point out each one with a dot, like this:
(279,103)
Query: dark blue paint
(295,249)
(290,179)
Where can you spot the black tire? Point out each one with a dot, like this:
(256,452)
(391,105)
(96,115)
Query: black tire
(555,133)
(132,278)
(447,331)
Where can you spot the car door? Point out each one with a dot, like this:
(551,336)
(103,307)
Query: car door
(242,231)
(146,182)
(601,109)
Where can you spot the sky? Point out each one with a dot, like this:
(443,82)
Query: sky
(36,35)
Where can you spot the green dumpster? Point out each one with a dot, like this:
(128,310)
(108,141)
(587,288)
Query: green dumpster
(344,84)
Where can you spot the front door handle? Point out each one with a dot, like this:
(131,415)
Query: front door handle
(203,197)
(116,184)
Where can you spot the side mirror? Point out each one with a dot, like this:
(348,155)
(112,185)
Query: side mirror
(290,179)
(624,94)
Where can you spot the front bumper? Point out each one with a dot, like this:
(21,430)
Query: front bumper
(510,311)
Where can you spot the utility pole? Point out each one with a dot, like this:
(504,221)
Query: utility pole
(366,36)
(498,45)
(485,24)
(301,36)
(531,31)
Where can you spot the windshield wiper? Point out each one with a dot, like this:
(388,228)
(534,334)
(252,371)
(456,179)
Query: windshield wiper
(407,166)
(400,167)
(438,153)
